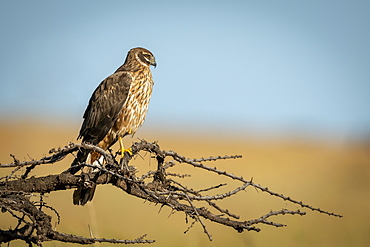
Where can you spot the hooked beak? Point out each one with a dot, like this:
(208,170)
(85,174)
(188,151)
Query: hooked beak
(153,62)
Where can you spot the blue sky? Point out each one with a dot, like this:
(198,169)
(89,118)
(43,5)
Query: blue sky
(248,65)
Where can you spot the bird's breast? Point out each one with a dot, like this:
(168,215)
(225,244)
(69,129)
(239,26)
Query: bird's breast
(135,108)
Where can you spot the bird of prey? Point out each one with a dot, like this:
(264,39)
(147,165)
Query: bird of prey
(117,108)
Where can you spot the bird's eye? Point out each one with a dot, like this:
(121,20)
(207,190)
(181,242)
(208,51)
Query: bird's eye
(146,57)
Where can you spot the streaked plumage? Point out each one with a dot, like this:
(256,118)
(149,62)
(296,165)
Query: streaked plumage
(117,108)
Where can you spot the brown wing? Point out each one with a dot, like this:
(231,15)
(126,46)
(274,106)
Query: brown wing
(104,107)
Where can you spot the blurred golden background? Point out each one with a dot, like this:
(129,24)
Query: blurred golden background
(329,175)
(283,83)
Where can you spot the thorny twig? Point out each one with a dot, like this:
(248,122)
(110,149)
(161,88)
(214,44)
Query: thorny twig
(183,159)
(160,190)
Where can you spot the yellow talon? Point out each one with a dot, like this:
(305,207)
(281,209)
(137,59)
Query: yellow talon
(122,149)
(128,150)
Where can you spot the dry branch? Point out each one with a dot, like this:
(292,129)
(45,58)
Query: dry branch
(156,186)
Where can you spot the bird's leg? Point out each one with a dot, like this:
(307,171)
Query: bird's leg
(122,148)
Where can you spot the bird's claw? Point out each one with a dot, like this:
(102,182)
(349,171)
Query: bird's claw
(123,151)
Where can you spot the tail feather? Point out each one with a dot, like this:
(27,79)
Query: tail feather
(81,157)
(82,195)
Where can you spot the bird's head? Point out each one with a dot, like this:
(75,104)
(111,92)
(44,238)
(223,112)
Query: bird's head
(143,56)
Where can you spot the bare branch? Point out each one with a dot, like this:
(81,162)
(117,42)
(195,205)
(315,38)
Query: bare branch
(154,186)
(40,228)
(199,219)
(183,159)
(217,158)
(263,218)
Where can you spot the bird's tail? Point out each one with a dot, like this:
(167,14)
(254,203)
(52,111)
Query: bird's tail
(82,195)
(81,157)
